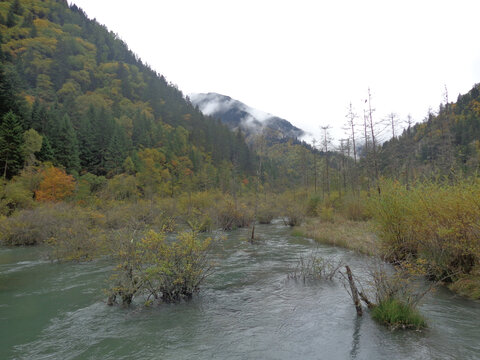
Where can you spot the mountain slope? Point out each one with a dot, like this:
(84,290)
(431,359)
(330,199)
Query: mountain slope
(238,115)
(444,144)
(61,70)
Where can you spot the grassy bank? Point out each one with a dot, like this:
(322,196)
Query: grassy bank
(436,224)
(355,235)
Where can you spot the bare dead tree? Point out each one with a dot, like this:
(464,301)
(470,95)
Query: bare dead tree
(326,142)
(374,144)
(393,122)
(351,116)
(344,145)
(409,152)
(314,142)
(350,126)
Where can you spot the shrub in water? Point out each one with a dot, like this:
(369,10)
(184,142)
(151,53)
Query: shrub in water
(159,269)
(229,217)
(396,314)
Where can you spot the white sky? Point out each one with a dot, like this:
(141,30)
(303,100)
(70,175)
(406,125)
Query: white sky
(306,60)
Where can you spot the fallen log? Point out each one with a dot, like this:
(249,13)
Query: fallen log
(354,292)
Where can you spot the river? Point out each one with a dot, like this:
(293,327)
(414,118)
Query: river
(247,310)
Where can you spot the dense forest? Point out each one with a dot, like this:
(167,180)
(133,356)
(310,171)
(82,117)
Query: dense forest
(444,144)
(97,107)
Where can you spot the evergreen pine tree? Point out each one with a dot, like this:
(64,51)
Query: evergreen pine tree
(11,145)
(16,7)
(141,131)
(11,21)
(103,127)
(116,151)
(2,56)
(65,144)
(7,93)
(46,152)
(86,141)
(34,117)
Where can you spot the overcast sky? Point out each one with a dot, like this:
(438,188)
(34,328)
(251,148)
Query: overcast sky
(304,60)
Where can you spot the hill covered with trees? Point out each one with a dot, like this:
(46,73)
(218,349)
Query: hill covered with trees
(444,144)
(95,105)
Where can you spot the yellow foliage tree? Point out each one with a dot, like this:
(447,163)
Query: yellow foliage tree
(55,186)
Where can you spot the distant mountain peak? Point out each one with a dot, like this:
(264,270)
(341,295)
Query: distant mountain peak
(238,115)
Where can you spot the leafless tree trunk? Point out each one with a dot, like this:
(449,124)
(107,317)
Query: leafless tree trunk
(374,144)
(326,142)
(315,164)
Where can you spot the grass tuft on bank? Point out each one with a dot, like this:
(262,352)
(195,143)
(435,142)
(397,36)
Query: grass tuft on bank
(397,315)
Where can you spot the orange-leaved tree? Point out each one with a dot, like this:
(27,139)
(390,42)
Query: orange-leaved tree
(55,186)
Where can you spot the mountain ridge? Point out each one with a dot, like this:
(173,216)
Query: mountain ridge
(237,115)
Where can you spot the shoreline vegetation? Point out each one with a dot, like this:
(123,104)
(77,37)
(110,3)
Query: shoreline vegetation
(433,224)
(408,228)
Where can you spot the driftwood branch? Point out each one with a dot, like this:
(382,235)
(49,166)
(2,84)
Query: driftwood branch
(354,292)
(365,300)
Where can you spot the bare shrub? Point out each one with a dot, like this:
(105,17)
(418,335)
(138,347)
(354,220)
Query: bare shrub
(36,226)
(140,215)
(229,216)
(266,213)
(314,267)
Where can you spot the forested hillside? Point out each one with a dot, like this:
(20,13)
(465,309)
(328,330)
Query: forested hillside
(444,144)
(94,106)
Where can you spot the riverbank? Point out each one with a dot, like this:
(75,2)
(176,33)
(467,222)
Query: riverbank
(360,236)
(355,235)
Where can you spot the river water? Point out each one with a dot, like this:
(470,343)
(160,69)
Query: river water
(247,310)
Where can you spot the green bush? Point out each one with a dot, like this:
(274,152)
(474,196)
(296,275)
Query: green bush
(292,209)
(139,215)
(355,208)
(326,214)
(437,223)
(228,216)
(313,204)
(266,213)
(72,232)
(158,269)
(396,314)
(121,187)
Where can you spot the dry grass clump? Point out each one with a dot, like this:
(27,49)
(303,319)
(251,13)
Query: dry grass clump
(358,236)
(468,285)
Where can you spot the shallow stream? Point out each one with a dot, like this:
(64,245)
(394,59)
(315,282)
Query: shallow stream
(247,310)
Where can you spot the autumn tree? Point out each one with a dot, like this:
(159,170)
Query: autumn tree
(153,175)
(55,186)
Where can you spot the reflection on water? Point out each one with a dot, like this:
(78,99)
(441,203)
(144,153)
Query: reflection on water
(356,337)
(247,310)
